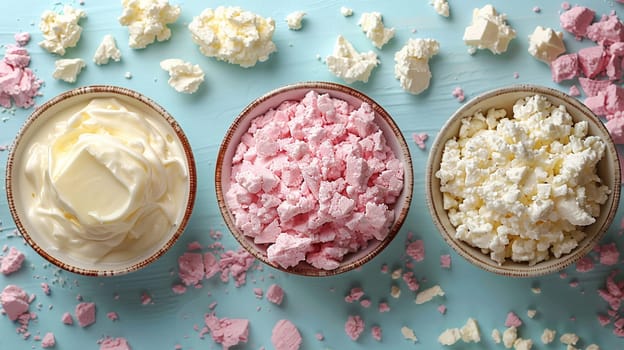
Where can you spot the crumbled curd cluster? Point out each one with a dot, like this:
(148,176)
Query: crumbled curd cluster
(518,187)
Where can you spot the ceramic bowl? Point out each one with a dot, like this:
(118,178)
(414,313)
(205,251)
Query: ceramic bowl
(296,92)
(608,169)
(129,255)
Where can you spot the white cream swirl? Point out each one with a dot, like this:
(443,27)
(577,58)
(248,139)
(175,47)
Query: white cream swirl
(108,182)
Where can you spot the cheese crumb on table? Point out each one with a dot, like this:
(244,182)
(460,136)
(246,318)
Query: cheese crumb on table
(106,51)
(294,20)
(60,30)
(350,65)
(183,76)
(428,294)
(285,336)
(441,7)
(408,334)
(372,25)
(68,69)
(412,64)
(233,35)
(346,11)
(548,336)
(147,21)
(509,336)
(546,44)
(488,30)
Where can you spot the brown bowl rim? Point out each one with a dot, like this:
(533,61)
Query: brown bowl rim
(408,177)
(521,269)
(148,103)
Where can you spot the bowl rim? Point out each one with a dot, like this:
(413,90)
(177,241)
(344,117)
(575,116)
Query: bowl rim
(512,269)
(148,103)
(325,87)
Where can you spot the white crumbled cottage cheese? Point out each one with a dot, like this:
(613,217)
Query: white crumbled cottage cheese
(294,19)
(60,30)
(441,7)
(346,11)
(469,333)
(523,344)
(408,334)
(428,294)
(509,336)
(147,21)
(546,44)
(183,76)
(372,25)
(67,69)
(496,336)
(412,64)
(488,30)
(548,336)
(519,187)
(234,35)
(348,64)
(449,336)
(569,338)
(106,51)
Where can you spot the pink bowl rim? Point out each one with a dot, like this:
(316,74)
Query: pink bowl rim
(40,112)
(329,87)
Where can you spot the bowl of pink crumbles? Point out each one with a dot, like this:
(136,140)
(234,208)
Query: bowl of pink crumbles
(314,178)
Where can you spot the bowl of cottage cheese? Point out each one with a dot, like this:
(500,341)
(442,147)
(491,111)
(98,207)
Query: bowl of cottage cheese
(523,180)
(101,180)
(314,178)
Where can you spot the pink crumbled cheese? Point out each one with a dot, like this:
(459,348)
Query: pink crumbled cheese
(574,91)
(513,320)
(458,93)
(285,336)
(227,331)
(12,262)
(354,295)
(576,20)
(609,254)
(564,67)
(114,344)
(113,316)
(314,180)
(445,261)
(584,264)
(419,139)
(48,340)
(191,268)
(67,319)
(46,288)
(615,126)
(15,302)
(354,327)
(416,250)
(376,333)
(85,314)
(275,294)
(18,83)
(22,38)
(592,87)
(607,31)
(592,60)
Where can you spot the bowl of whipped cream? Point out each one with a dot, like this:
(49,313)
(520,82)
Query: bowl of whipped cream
(523,180)
(314,178)
(101,180)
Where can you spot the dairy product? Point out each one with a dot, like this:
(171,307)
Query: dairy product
(85,314)
(564,67)
(569,338)
(102,181)
(409,334)
(233,35)
(513,320)
(576,20)
(412,64)
(48,340)
(428,294)
(183,76)
(106,51)
(488,30)
(67,69)
(372,25)
(449,336)
(14,301)
(441,7)
(60,30)
(115,344)
(147,21)
(348,64)
(548,336)
(294,19)
(275,294)
(545,44)
(227,331)
(12,262)
(523,344)
(518,187)
(18,83)
(346,11)
(314,180)
(285,336)
(22,38)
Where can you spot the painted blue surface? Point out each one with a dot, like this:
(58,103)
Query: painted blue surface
(314,305)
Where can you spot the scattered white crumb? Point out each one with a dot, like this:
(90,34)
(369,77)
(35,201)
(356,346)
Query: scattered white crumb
(449,336)
(523,344)
(569,338)
(294,20)
(470,331)
(548,336)
(496,336)
(509,336)
(396,274)
(441,7)
(408,334)
(592,347)
(428,294)
(345,11)
(128,75)
(536,290)
(531,313)
(395,291)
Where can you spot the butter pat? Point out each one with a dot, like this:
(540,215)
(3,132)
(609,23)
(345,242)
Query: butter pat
(103,182)
(488,30)
(294,19)
(412,64)
(348,64)
(147,21)
(106,51)
(233,35)
(183,76)
(67,69)
(546,44)
(372,25)
(519,187)
(60,30)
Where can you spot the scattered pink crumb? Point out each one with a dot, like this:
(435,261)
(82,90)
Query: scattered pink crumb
(442,309)
(604,320)
(85,314)
(565,5)
(354,327)
(191,268)
(236,264)
(585,264)
(275,294)
(12,262)
(14,301)
(516,75)
(285,336)
(537,9)
(573,284)
(113,316)
(19,84)
(574,91)
(385,268)
(67,319)
(410,279)
(145,298)
(319,336)
(48,340)
(609,254)
(416,250)
(45,288)
(195,245)
(227,331)
(458,93)
(211,265)
(376,333)
(383,307)
(178,289)
(445,261)
(258,292)
(22,38)
(354,295)
(114,344)
(366,303)
(513,320)
(419,139)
